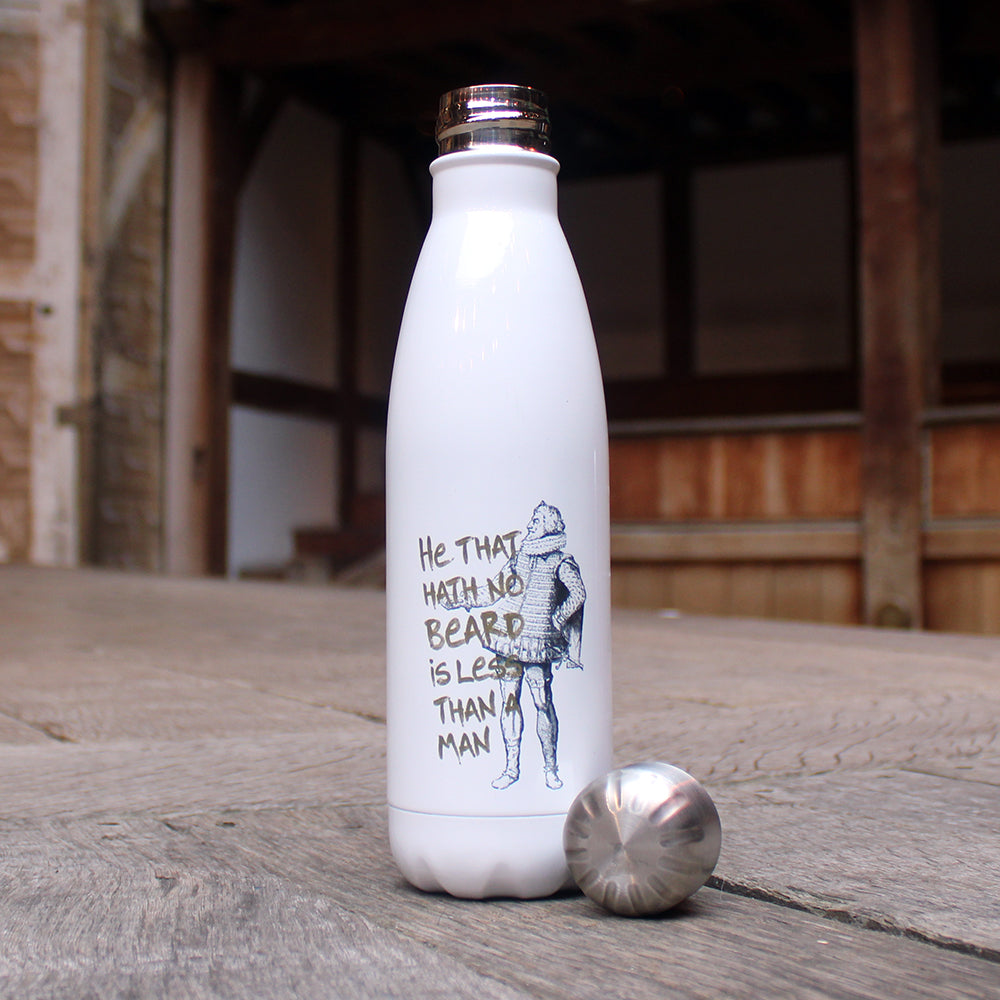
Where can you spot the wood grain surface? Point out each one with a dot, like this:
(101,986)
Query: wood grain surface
(192,805)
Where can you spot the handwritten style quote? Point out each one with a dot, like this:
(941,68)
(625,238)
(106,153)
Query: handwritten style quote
(462,672)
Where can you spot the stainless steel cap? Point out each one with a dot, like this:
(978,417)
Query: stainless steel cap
(642,839)
(493,114)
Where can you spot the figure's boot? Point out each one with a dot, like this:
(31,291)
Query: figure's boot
(552,778)
(513,769)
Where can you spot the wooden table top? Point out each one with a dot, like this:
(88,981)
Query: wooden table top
(192,804)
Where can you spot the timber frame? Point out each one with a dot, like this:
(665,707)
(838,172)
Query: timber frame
(658,85)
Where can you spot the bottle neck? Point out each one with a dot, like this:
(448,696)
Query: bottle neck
(499,178)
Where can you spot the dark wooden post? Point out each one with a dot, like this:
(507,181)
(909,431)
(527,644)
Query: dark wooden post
(899,286)
(348,313)
(225,171)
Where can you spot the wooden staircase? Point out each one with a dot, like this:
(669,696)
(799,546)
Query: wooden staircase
(353,554)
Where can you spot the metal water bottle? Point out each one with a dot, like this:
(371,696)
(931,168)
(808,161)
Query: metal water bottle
(498,595)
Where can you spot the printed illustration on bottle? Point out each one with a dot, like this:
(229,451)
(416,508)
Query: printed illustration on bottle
(507,612)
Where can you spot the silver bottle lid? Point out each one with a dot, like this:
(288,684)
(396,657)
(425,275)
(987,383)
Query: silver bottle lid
(493,114)
(642,839)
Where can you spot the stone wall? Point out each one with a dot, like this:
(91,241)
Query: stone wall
(19,65)
(126,331)
(83,147)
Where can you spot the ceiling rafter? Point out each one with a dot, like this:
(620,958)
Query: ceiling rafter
(629,79)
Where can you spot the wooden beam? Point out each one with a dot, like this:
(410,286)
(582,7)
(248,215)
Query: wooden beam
(776,542)
(184,504)
(95,148)
(899,284)
(276,394)
(205,168)
(731,395)
(225,171)
(314,32)
(977,542)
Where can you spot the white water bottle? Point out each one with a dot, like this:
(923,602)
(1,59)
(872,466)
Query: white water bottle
(498,579)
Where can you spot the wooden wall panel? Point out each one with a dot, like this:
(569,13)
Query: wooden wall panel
(965,471)
(751,591)
(963,596)
(840,592)
(767,525)
(805,591)
(736,477)
(642,585)
(16,350)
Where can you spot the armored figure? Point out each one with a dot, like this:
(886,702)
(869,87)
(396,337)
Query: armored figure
(547,595)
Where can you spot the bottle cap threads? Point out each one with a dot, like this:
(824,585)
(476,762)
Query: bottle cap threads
(493,114)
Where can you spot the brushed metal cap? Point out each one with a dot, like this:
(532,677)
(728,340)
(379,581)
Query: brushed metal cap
(493,114)
(642,838)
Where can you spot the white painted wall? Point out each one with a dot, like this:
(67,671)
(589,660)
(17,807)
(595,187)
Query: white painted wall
(282,475)
(283,470)
(284,323)
(772,264)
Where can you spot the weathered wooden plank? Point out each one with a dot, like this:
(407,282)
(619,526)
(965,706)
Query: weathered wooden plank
(139,908)
(342,764)
(903,850)
(16,731)
(277,903)
(320,646)
(202,703)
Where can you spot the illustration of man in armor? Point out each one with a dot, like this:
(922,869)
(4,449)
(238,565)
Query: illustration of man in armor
(547,596)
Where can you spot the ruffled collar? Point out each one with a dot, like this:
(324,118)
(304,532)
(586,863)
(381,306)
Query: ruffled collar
(544,545)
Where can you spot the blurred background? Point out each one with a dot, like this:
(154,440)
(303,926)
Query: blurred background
(783,212)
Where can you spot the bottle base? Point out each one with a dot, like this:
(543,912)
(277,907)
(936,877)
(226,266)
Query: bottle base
(477,857)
